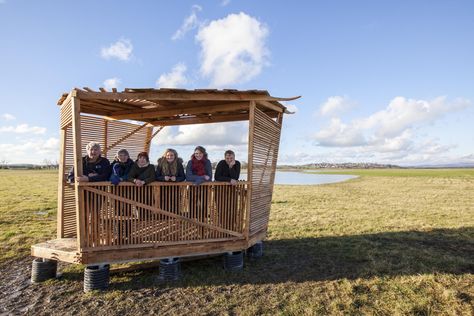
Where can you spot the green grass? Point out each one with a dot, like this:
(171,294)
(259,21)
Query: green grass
(381,244)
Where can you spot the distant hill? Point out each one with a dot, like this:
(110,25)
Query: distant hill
(346,165)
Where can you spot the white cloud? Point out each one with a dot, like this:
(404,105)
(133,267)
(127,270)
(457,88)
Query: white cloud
(173,79)
(22,129)
(404,113)
(225,2)
(391,135)
(218,134)
(233,49)
(122,50)
(292,108)
(335,105)
(31,151)
(112,83)
(8,117)
(191,22)
(388,125)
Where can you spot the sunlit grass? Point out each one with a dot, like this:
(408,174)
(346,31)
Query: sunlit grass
(383,244)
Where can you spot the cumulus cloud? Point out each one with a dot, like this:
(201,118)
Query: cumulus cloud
(218,134)
(233,49)
(22,129)
(335,105)
(122,50)
(31,150)
(387,127)
(173,79)
(190,22)
(112,83)
(8,117)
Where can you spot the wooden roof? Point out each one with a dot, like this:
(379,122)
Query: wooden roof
(162,107)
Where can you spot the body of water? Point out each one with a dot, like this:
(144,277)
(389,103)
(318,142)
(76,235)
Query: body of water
(302,178)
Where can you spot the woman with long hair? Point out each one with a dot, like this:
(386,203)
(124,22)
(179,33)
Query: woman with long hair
(170,169)
(199,170)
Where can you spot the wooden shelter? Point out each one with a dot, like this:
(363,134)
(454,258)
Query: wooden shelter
(101,223)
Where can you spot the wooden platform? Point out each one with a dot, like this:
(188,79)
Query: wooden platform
(64,249)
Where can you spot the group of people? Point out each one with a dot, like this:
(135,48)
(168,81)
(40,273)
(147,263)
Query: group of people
(169,167)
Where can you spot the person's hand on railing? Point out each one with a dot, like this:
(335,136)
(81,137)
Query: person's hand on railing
(139,183)
(82,179)
(233,181)
(206,177)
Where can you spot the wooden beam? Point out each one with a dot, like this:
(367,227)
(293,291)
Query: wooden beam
(154,134)
(180,96)
(252,107)
(271,106)
(202,119)
(61,182)
(189,109)
(77,145)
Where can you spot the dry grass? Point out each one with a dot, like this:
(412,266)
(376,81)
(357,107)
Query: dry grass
(383,245)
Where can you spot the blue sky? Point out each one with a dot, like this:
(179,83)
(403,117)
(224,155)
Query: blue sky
(387,82)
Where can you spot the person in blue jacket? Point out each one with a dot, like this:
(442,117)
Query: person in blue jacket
(199,170)
(94,167)
(121,166)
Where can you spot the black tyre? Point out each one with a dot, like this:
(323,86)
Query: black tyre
(170,269)
(43,269)
(96,278)
(234,261)
(256,251)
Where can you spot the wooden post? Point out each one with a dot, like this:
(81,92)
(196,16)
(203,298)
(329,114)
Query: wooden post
(78,192)
(252,106)
(106,129)
(62,163)
(277,149)
(149,132)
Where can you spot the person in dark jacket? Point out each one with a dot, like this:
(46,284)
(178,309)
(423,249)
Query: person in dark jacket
(227,197)
(121,167)
(170,169)
(228,170)
(94,167)
(199,170)
(142,171)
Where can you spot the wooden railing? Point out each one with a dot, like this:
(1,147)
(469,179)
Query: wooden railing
(124,215)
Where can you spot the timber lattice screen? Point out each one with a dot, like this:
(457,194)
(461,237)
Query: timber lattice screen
(266,140)
(161,213)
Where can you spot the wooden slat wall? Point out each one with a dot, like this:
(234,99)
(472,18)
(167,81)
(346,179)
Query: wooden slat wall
(266,141)
(162,213)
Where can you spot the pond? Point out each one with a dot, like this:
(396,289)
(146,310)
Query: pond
(303,178)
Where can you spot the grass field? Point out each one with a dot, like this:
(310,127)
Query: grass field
(391,242)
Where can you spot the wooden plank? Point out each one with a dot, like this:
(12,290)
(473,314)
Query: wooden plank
(179,110)
(77,145)
(201,120)
(61,182)
(271,106)
(64,249)
(154,252)
(252,107)
(179,96)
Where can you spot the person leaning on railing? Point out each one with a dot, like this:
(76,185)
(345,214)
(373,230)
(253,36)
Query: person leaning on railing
(121,167)
(142,171)
(170,169)
(199,170)
(228,170)
(94,167)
